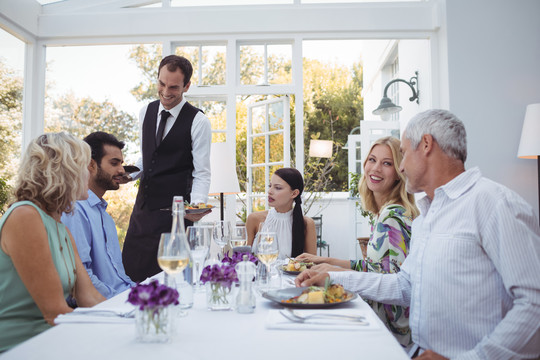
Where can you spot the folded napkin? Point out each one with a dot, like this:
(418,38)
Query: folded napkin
(276,320)
(97,315)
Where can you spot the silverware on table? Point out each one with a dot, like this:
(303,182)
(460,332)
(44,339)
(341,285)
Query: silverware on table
(296,317)
(105,312)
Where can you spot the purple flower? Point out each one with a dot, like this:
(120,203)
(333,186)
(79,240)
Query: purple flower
(147,296)
(225,274)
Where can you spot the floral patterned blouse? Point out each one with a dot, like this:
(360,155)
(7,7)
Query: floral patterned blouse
(387,248)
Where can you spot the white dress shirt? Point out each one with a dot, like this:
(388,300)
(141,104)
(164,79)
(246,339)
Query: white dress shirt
(472,277)
(201,138)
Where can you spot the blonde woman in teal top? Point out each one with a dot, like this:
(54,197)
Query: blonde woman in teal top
(39,263)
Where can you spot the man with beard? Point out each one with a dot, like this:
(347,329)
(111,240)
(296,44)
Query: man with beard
(92,227)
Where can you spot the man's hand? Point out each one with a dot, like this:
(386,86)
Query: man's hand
(197,217)
(310,277)
(430,355)
(327,268)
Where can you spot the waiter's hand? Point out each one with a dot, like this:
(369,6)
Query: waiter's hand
(430,355)
(197,217)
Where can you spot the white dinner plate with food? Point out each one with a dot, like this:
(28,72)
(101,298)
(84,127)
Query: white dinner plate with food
(199,210)
(285,298)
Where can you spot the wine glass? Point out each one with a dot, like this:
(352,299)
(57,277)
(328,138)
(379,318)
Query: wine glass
(199,242)
(238,236)
(173,258)
(222,234)
(267,250)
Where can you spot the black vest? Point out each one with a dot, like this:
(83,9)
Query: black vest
(167,169)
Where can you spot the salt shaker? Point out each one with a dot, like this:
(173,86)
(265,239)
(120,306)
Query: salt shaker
(245,300)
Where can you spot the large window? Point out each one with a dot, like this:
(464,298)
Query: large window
(209,63)
(268,147)
(265,64)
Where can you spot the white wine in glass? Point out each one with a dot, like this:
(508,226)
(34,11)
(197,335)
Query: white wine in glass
(172,265)
(173,258)
(238,236)
(267,250)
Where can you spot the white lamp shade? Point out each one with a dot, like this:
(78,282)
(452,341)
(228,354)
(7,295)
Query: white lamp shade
(224,178)
(529,146)
(320,148)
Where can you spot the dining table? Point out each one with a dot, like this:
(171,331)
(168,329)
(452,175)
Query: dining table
(205,334)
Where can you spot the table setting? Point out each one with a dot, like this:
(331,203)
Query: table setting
(235,312)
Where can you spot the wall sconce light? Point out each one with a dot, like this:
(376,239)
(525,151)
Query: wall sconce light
(529,146)
(320,148)
(387,107)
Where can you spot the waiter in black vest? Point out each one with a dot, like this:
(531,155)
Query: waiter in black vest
(175,145)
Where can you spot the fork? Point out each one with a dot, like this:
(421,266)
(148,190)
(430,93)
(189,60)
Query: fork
(105,312)
(291,315)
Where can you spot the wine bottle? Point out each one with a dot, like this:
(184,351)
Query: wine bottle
(185,287)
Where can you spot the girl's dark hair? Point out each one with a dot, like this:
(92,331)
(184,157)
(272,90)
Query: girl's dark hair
(293,177)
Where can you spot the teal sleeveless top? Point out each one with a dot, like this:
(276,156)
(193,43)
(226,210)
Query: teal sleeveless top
(20,318)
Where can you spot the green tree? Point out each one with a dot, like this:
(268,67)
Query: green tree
(11,88)
(80,117)
(332,107)
(147,58)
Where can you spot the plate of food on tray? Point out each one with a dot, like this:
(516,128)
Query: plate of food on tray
(197,208)
(311,297)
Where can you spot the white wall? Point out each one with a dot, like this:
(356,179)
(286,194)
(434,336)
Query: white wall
(493,74)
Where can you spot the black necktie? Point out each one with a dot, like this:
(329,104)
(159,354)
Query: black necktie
(164,116)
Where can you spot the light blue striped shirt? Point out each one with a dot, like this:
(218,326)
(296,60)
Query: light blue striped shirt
(94,232)
(472,277)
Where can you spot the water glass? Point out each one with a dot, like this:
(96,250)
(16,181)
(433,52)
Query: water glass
(199,242)
(222,234)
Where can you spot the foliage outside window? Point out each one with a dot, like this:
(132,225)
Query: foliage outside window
(209,63)
(266,64)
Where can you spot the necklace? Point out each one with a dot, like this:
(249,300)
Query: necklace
(72,260)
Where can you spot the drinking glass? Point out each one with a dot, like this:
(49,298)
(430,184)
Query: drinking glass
(173,258)
(199,242)
(222,234)
(266,248)
(238,236)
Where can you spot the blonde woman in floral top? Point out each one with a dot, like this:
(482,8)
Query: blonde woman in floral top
(383,194)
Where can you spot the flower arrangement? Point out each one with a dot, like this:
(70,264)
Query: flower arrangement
(219,279)
(152,318)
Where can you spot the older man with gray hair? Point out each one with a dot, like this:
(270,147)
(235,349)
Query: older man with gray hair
(472,276)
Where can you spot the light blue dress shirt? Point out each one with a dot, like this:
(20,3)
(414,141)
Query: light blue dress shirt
(95,235)
(472,276)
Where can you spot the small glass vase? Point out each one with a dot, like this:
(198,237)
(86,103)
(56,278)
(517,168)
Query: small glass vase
(154,325)
(218,296)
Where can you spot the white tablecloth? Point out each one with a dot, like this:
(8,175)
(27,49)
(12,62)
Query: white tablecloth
(205,334)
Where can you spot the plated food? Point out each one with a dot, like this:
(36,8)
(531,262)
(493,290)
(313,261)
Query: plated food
(334,295)
(197,208)
(320,295)
(296,267)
